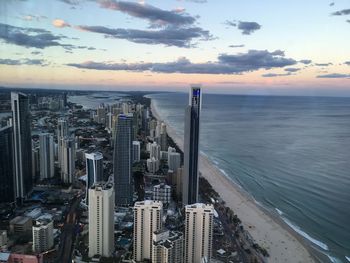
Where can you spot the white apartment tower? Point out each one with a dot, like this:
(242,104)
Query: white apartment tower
(42,235)
(167,247)
(198,232)
(101,220)
(147,219)
(46,155)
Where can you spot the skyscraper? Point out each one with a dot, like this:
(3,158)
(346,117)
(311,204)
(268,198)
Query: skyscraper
(122,161)
(62,132)
(191,142)
(199,224)
(163,139)
(22,145)
(174,161)
(7,188)
(94,170)
(147,219)
(46,155)
(101,220)
(68,160)
(136,148)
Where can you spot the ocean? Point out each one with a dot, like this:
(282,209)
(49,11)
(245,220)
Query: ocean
(292,154)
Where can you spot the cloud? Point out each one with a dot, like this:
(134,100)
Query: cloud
(306,61)
(291,69)
(15,62)
(60,23)
(71,2)
(347,63)
(35,53)
(348,20)
(151,13)
(28,37)
(342,12)
(246,27)
(334,76)
(32,17)
(236,46)
(34,38)
(323,64)
(332,4)
(169,36)
(273,75)
(225,64)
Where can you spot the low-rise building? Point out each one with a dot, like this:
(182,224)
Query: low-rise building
(21,225)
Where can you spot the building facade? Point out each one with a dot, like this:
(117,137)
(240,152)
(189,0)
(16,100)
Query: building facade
(68,161)
(122,161)
(62,133)
(22,145)
(167,247)
(47,156)
(101,220)
(174,161)
(136,148)
(7,185)
(199,224)
(147,219)
(191,143)
(42,235)
(162,193)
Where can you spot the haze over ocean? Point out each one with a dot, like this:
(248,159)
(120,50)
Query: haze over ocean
(290,153)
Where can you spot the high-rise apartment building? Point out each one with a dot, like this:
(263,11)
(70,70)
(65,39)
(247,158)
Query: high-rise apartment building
(46,155)
(22,145)
(152,165)
(62,133)
(122,161)
(174,161)
(42,235)
(7,187)
(136,149)
(101,220)
(154,150)
(191,151)
(147,219)
(162,193)
(163,138)
(68,160)
(199,224)
(167,247)
(94,170)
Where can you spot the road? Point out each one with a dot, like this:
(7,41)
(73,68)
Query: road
(65,250)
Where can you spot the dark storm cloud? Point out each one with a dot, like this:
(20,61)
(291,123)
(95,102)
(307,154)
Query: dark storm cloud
(169,36)
(151,13)
(334,76)
(291,69)
(342,12)
(14,62)
(347,63)
(306,61)
(226,64)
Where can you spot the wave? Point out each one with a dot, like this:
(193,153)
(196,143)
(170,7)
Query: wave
(334,259)
(279,211)
(305,235)
(347,258)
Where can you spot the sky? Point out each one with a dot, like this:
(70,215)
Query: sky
(229,46)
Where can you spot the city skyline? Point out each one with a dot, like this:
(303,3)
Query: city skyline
(299,48)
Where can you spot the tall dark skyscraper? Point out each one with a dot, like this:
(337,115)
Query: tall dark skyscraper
(22,145)
(122,161)
(7,188)
(191,142)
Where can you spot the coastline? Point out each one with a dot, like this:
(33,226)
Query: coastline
(268,230)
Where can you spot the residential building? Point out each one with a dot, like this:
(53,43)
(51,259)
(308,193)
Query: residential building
(136,146)
(167,247)
(47,156)
(162,192)
(147,219)
(199,224)
(42,235)
(101,220)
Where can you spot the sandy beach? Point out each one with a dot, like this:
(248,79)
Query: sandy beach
(281,242)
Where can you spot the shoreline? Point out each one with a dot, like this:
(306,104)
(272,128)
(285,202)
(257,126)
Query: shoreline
(268,230)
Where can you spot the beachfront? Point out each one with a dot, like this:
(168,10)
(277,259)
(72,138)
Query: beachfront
(282,244)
